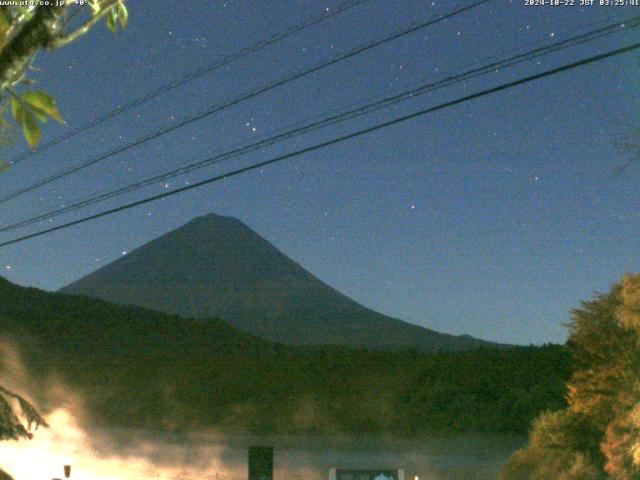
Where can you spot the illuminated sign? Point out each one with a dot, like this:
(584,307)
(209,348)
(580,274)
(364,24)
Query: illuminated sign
(366,474)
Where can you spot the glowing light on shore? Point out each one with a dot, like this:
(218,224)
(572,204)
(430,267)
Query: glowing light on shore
(66,443)
(96,454)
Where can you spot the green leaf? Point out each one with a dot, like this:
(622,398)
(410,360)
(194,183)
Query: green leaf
(30,128)
(112,18)
(123,14)
(42,102)
(16,109)
(40,115)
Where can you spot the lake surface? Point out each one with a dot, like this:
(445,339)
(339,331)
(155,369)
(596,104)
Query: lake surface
(476,457)
(123,454)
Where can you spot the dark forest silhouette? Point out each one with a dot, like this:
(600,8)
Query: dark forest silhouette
(137,367)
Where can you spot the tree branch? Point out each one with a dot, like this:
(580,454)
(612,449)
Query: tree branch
(85,27)
(11,427)
(38,32)
(15,24)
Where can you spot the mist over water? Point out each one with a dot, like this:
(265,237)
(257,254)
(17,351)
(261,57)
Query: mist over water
(135,454)
(98,453)
(456,457)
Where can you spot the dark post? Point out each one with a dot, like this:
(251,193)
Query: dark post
(67,471)
(260,463)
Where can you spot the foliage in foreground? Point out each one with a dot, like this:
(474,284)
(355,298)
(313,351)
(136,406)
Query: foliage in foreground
(25,29)
(15,425)
(4,475)
(597,436)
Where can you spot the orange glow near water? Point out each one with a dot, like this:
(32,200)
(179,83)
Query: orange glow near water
(65,443)
(95,456)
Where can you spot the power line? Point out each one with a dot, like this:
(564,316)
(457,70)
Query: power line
(404,118)
(629,23)
(218,107)
(226,60)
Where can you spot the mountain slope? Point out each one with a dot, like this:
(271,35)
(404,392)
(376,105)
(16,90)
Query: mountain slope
(216,266)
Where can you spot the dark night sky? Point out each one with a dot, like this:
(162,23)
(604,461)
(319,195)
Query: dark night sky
(491,218)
